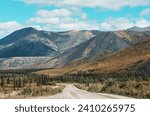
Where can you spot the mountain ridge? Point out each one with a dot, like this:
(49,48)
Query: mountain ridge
(98,46)
(140,29)
(31,42)
(66,48)
(134,59)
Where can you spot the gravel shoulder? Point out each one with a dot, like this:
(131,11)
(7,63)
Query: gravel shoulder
(71,92)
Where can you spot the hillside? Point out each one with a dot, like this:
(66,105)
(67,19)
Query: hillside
(64,48)
(97,47)
(140,29)
(21,62)
(32,42)
(135,58)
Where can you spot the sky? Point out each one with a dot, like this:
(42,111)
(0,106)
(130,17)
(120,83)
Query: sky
(62,15)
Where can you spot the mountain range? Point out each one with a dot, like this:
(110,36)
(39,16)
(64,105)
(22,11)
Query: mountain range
(31,48)
(102,44)
(131,60)
(31,42)
(139,29)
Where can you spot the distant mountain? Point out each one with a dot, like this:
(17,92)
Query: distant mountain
(21,62)
(63,48)
(134,60)
(139,28)
(31,42)
(98,46)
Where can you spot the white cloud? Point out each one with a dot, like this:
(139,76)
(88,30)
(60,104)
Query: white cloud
(116,24)
(53,17)
(38,27)
(54,13)
(79,25)
(41,20)
(121,23)
(108,4)
(8,27)
(145,12)
(63,19)
(69,14)
(84,16)
(142,23)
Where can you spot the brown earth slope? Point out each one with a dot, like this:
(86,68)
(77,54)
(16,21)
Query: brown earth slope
(97,47)
(136,57)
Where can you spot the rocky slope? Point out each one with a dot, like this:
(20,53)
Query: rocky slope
(63,48)
(139,29)
(98,46)
(134,59)
(31,42)
(21,62)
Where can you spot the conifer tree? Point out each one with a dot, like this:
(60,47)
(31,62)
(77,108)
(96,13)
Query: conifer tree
(2,82)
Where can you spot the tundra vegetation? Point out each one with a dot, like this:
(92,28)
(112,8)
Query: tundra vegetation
(125,84)
(24,84)
(27,84)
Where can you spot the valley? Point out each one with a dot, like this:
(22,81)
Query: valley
(22,84)
(37,64)
(71,92)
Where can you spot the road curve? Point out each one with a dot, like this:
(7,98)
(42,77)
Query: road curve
(71,92)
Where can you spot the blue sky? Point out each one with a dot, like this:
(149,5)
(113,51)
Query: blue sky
(61,15)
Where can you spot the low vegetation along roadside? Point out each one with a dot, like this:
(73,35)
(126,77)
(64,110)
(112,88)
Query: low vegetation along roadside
(125,83)
(27,86)
(131,88)
(24,84)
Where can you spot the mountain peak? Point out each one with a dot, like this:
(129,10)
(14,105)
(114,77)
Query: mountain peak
(28,29)
(17,35)
(136,28)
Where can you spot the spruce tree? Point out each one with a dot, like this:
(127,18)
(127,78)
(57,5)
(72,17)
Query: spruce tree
(19,82)
(8,80)
(14,83)
(2,82)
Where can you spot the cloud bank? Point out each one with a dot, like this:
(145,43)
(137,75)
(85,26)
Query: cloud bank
(108,4)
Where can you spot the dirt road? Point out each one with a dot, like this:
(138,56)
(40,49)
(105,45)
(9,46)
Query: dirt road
(71,92)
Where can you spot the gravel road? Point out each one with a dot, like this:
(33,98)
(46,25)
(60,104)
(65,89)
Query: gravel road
(71,92)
